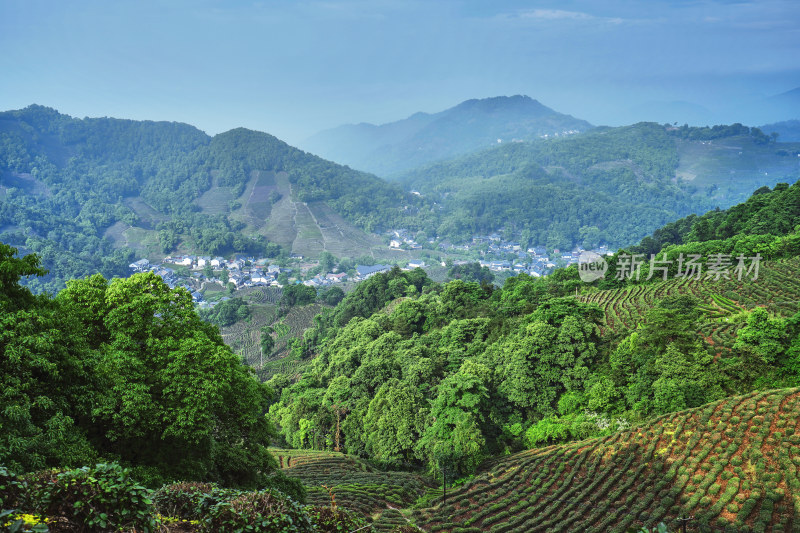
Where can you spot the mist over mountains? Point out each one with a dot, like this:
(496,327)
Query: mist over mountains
(387,149)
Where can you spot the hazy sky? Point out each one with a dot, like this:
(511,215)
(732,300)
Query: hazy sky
(293,67)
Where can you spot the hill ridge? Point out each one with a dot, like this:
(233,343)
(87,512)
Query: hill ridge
(422,138)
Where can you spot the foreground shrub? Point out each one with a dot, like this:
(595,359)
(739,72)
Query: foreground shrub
(99,498)
(289,486)
(408,528)
(9,489)
(187,500)
(264,511)
(335,520)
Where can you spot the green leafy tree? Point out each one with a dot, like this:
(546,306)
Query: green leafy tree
(171,395)
(267,341)
(394,422)
(455,438)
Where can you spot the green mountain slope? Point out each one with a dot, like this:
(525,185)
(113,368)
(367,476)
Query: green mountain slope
(729,463)
(611,185)
(85,193)
(422,138)
(412,373)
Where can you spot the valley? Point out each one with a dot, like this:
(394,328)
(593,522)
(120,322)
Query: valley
(337,266)
(396,337)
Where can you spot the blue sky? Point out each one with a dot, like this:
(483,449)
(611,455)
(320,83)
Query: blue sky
(293,67)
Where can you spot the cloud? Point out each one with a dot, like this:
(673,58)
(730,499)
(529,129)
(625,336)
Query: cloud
(554,15)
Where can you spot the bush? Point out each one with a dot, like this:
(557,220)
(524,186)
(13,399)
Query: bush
(406,528)
(334,520)
(100,498)
(289,486)
(182,500)
(9,489)
(264,511)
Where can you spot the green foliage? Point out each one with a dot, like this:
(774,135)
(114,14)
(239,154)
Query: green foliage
(185,500)
(297,294)
(332,296)
(45,373)
(126,370)
(227,312)
(100,498)
(471,272)
(336,520)
(264,511)
(267,341)
(378,375)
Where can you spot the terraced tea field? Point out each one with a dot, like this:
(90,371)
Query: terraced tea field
(732,463)
(379,496)
(724,301)
(244,337)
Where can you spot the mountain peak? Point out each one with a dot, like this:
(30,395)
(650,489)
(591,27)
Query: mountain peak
(423,138)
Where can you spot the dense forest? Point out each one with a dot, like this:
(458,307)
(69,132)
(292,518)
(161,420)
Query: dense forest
(412,373)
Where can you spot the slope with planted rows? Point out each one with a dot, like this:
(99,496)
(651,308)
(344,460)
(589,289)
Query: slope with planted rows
(729,463)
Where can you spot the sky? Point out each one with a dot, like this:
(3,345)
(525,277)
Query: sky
(294,67)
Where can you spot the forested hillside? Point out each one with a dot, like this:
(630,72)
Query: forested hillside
(84,193)
(609,185)
(672,381)
(412,373)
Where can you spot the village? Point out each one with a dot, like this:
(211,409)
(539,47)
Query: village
(196,272)
(496,253)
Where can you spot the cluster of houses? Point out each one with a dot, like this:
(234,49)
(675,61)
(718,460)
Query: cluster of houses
(326,280)
(241,271)
(504,255)
(537,262)
(401,239)
(560,134)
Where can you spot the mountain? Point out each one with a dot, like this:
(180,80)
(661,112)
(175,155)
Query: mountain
(423,138)
(775,108)
(88,194)
(787,130)
(611,185)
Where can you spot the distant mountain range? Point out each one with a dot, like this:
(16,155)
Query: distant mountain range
(757,110)
(93,194)
(422,138)
(787,130)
